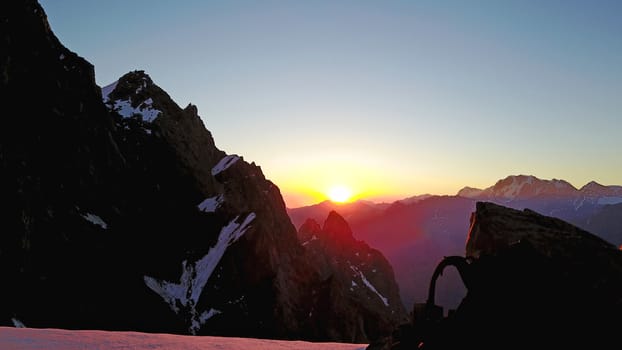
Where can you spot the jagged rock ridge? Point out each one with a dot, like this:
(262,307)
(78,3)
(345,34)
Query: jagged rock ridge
(359,284)
(122,213)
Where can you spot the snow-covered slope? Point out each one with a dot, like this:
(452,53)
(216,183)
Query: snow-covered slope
(60,339)
(139,106)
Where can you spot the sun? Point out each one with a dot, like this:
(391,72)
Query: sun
(339,194)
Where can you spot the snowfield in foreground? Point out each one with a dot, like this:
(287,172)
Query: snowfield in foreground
(59,339)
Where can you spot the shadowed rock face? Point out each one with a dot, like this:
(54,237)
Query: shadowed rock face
(262,274)
(360,296)
(534,281)
(494,228)
(120,212)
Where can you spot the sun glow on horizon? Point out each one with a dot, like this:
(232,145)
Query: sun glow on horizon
(339,194)
(312,178)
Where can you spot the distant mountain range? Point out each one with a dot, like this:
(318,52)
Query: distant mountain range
(416,233)
(523,187)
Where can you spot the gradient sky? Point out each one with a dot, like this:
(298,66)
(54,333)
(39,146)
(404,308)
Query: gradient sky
(390,98)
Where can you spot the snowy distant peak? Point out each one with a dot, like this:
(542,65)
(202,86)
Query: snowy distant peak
(133,96)
(594,189)
(593,186)
(527,186)
(563,184)
(469,192)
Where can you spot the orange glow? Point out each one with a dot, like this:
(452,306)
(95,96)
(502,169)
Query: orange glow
(309,178)
(339,194)
(310,181)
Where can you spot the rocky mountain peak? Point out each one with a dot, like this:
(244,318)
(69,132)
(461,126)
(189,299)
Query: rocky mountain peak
(141,105)
(192,110)
(309,229)
(469,192)
(594,189)
(310,226)
(592,185)
(130,84)
(135,95)
(522,187)
(363,273)
(337,228)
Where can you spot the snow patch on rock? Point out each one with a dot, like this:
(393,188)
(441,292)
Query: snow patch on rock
(368,284)
(313,238)
(206,315)
(225,163)
(144,110)
(185,294)
(209,205)
(17,323)
(95,220)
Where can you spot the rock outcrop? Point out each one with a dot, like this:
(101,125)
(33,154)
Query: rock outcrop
(494,228)
(533,281)
(359,297)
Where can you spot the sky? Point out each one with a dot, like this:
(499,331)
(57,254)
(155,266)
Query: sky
(388,99)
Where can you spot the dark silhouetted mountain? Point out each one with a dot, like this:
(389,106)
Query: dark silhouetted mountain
(358,211)
(495,228)
(531,279)
(360,295)
(120,212)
